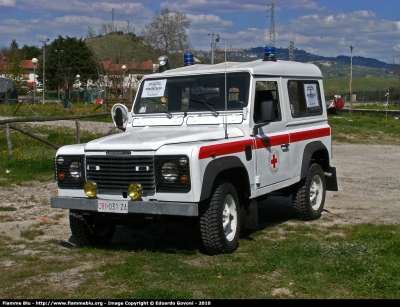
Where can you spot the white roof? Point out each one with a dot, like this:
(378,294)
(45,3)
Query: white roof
(258,67)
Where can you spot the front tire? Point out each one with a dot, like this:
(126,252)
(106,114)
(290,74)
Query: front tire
(220,223)
(309,195)
(90,231)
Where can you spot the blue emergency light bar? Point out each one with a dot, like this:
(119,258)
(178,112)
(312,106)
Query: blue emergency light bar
(269,53)
(188,59)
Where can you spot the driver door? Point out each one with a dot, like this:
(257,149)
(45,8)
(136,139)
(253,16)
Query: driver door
(272,150)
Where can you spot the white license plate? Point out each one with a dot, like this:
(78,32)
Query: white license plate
(114,206)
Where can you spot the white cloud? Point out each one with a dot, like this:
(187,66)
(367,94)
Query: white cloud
(8,3)
(209,20)
(331,35)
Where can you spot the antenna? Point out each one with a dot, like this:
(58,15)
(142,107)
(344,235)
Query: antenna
(272,26)
(226,101)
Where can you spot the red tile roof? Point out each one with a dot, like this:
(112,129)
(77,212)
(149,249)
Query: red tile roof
(27,64)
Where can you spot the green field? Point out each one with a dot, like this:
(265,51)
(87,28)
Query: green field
(359,84)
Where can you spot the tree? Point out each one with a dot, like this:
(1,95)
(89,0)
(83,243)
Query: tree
(5,59)
(117,44)
(29,52)
(167,34)
(16,72)
(14,46)
(66,58)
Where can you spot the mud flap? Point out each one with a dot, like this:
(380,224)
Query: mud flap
(249,215)
(331,180)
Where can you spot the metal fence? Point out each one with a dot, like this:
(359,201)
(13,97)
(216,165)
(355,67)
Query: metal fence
(381,96)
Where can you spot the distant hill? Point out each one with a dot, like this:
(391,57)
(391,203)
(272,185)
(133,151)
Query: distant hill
(303,56)
(331,67)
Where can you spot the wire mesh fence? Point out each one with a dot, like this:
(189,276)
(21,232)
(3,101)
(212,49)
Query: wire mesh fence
(392,96)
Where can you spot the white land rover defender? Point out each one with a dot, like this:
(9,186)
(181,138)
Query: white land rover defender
(204,142)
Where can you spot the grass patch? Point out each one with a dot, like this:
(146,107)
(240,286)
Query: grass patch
(7,208)
(50,109)
(363,263)
(365,129)
(31,234)
(31,159)
(4,218)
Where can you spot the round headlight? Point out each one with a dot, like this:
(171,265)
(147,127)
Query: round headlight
(135,191)
(169,171)
(90,189)
(75,170)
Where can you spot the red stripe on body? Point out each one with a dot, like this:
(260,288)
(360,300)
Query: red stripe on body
(223,149)
(276,140)
(309,134)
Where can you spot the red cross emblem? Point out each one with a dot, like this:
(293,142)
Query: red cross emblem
(274,161)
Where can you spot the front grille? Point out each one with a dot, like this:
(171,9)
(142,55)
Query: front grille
(117,172)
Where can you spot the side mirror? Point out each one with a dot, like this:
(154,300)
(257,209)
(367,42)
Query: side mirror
(119,114)
(267,110)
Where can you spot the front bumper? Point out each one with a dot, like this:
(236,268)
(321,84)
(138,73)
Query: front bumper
(145,207)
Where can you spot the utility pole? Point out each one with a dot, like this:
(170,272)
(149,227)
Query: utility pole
(44,41)
(112,19)
(351,78)
(213,46)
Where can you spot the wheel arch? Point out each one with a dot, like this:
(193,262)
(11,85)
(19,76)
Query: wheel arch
(314,152)
(230,168)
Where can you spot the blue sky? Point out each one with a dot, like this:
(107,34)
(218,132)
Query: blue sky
(322,27)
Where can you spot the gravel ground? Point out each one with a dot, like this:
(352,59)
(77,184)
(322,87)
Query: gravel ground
(368,178)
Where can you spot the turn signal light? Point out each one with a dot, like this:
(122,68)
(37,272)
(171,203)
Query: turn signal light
(61,176)
(184,178)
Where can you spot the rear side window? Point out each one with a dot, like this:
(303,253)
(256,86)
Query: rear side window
(304,98)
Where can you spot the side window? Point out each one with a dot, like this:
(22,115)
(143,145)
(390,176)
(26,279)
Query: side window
(304,98)
(266,90)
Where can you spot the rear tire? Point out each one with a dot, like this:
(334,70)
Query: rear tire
(90,231)
(220,223)
(309,195)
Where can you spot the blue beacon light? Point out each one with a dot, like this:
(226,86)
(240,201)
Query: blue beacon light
(188,59)
(269,53)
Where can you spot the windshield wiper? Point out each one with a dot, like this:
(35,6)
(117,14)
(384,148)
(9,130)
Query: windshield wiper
(206,103)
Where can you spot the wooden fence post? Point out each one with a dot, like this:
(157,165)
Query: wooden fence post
(78,131)
(9,142)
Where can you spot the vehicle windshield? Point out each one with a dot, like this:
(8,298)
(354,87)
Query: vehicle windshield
(193,93)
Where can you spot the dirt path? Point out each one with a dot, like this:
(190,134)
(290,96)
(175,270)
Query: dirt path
(368,177)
